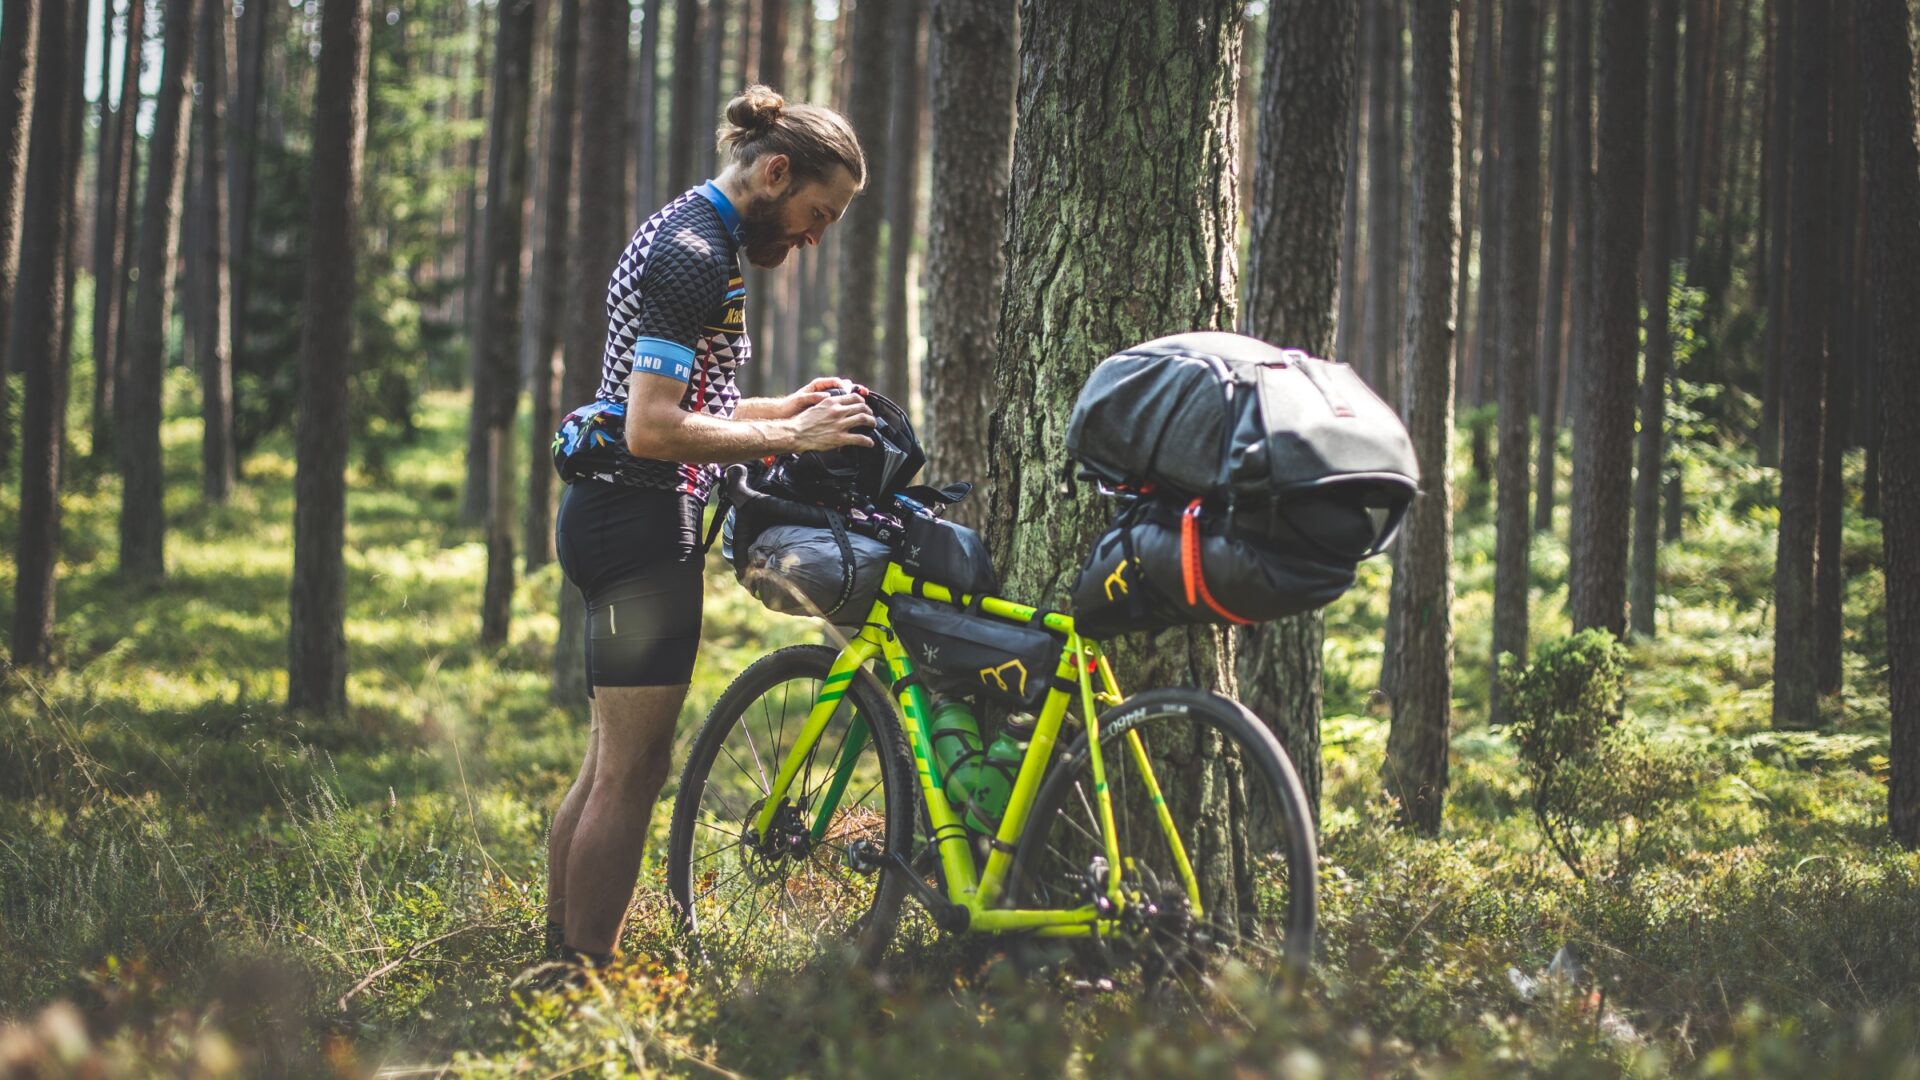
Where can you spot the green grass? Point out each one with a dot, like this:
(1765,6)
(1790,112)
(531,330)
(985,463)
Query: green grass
(205,877)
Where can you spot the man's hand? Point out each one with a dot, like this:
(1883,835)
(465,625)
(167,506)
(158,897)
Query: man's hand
(829,419)
(815,392)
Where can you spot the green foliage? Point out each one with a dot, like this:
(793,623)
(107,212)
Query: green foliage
(1597,781)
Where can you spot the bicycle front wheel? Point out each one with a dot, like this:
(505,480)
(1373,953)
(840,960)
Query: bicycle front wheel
(811,890)
(1199,767)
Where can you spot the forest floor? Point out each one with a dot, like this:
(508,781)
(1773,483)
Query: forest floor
(214,885)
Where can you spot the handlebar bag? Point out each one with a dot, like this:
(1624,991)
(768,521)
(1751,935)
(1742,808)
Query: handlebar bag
(799,570)
(966,654)
(1162,565)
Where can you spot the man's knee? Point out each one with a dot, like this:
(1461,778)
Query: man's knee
(636,738)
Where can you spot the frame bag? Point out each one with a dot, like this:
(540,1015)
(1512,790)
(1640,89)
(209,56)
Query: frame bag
(965,654)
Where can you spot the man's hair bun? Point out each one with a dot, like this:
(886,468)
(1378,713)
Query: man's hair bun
(755,108)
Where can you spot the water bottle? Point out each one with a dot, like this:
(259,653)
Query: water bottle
(991,780)
(955,736)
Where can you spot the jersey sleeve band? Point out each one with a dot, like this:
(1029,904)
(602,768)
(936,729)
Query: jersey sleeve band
(669,359)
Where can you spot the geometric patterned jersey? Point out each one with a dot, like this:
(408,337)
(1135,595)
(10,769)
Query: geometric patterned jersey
(676,308)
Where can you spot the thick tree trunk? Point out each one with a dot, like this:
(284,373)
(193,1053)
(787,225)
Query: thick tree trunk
(496,350)
(1415,771)
(1662,215)
(1519,184)
(36,340)
(1580,292)
(683,147)
(772,66)
(1795,697)
(971,56)
(17,77)
(253,31)
(1553,300)
(114,223)
(1603,443)
(317,645)
(855,355)
(1292,269)
(213,321)
(1892,165)
(138,404)
(548,360)
(1843,338)
(598,238)
(646,132)
(1079,248)
(903,186)
(1779,181)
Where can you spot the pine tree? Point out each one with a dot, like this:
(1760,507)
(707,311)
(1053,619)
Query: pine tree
(1662,219)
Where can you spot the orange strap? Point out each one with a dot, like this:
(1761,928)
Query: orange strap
(1190,570)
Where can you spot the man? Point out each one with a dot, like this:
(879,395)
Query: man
(643,456)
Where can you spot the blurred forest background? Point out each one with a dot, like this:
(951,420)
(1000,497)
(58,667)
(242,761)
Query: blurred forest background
(292,293)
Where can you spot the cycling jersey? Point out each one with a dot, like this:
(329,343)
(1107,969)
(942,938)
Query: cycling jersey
(676,309)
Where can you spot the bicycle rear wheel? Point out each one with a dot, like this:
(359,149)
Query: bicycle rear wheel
(1243,824)
(810,892)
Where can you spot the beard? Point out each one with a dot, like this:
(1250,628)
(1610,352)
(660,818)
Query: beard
(763,230)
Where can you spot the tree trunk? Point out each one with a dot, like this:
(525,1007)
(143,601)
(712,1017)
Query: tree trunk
(1519,184)
(1079,247)
(683,148)
(1603,443)
(1892,161)
(1559,235)
(35,340)
(109,244)
(971,56)
(598,239)
(903,186)
(1580,293)
(646,132)
(855,349)
(115,221)
(213,322)
(317,645)
(1377,339)
(17,77)
(1830,581)
(138,404)
(253,31)
(548,361)
(713,53)
(1795,700)
(1471,73)
(1779,180)
(772,66)
(1485,363)
(495,350)
(1299,187)
(1662,216)
(1415,771)
(1347,329)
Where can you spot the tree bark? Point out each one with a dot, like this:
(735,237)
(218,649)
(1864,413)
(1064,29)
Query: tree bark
(1347,330)
(855,354)
(1795,696)
(1472,72)
(1383,175)
(213,322)
(1662,218)
(772,66)
(548,360)
(1779,181)
(598,238)
(495,352)
(713,55)
(683,148)
(1829,573)
(1079,247)
(1603,444)
(1892,167)
(1580,293)
(1519,184)
(17,77)
(138,405)
(971,56)
(36,339)
(1488,326)
(1299,186)
(109,244)
(115,223)
(1415,771)
(317,645)
(1553,300)
(646,132)
(903,185)
(253,31)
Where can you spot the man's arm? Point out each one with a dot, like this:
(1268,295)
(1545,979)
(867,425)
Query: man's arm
(658,428)
(783,408)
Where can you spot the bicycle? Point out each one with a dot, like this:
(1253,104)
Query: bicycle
(784,852)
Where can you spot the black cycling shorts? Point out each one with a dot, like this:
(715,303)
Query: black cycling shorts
(634,554)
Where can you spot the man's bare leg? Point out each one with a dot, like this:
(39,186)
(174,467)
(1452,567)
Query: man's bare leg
(565,820)
(634,749)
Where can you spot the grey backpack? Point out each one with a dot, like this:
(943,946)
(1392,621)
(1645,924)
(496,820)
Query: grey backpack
(1287,445)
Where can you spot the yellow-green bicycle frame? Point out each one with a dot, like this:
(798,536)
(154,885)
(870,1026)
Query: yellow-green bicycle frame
(976,890)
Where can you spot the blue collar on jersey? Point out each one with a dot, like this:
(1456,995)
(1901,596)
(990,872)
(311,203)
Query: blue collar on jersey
(722,206)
